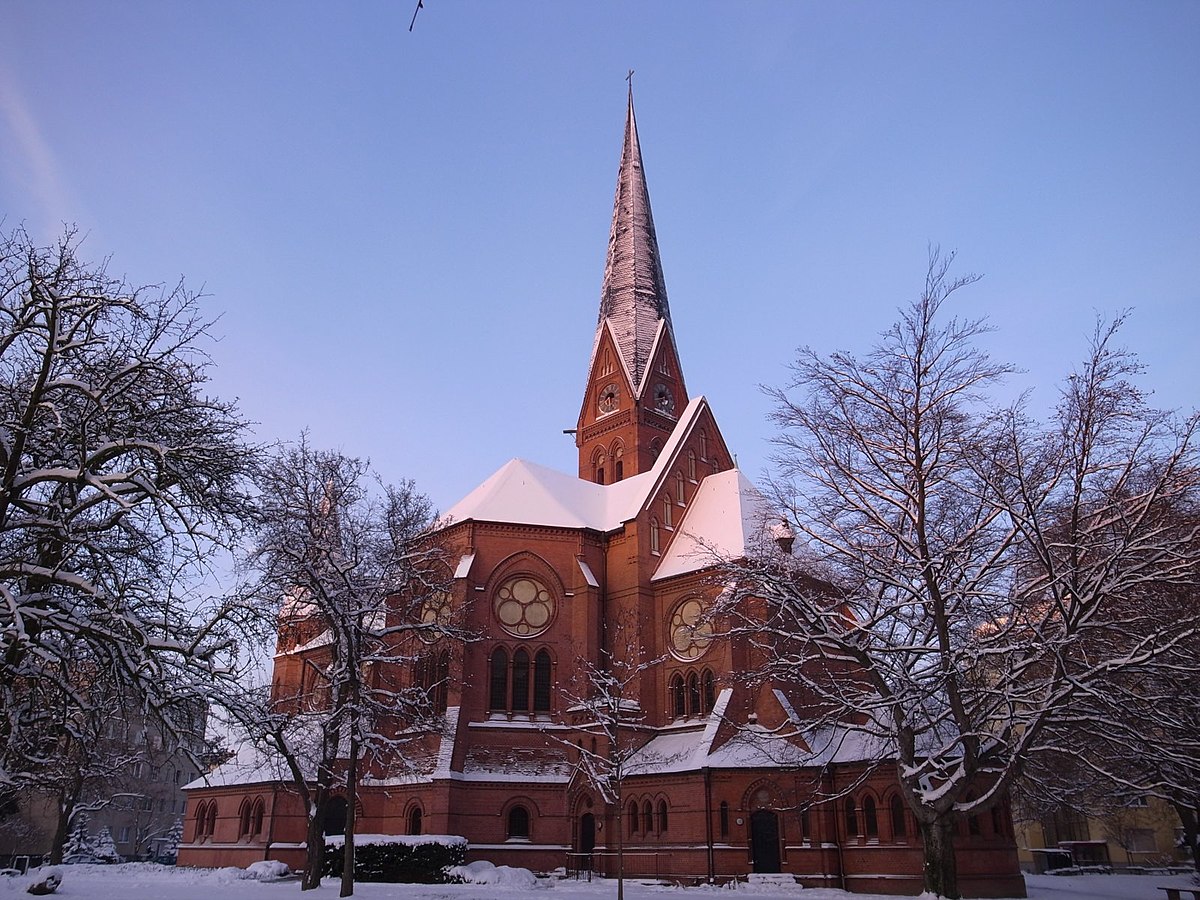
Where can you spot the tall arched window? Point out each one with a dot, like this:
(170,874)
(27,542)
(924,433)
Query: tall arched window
(668,509)
(520,681)
(678,702)
(662,816)
(618,463)
(647,818)
(541,681)
(724,819)
(414,820)
(499,693)
(654,537)
(256,817)
(709,685)
(518,823)
(871,820)
(598,468)
(691,464)
(851,818)
(899,820)
(441,692)
(244,820)
(210,820)
(693,684)
(679,486)
(806,825)
(703,444)
(632,815)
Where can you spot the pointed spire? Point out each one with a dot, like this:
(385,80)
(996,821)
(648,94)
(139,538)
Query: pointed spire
(633,297)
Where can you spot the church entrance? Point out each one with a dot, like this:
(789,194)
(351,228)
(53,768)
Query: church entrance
(764,840)
(587,841)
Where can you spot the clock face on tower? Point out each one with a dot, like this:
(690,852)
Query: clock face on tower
(609,399)
(663,400)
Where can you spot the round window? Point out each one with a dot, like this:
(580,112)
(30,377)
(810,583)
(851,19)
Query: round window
(435,614)
(524,607)
(690,633)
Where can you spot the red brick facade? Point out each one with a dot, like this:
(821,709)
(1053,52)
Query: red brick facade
(552,570)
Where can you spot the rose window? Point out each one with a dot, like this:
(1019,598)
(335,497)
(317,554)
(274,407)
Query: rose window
(524,607)
(435,615)
(690,633)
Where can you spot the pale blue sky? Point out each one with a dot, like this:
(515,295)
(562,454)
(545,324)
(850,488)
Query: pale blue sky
(405,233)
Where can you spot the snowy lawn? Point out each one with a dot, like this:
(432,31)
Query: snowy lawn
(146,881)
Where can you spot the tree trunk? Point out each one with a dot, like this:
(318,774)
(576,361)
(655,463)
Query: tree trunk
(940,866)
(351,799)
(1191,829)
(61,831)
(314,852)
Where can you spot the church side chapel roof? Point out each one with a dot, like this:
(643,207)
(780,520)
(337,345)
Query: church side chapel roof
(633,297)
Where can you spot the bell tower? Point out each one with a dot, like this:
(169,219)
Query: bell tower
(635,389)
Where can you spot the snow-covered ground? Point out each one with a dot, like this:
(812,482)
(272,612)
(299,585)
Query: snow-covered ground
(146,881)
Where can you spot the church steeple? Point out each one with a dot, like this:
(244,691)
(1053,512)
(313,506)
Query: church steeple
(633,297)
(635,387)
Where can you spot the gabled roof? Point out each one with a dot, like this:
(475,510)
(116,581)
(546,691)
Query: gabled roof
(726,519)
(633,297)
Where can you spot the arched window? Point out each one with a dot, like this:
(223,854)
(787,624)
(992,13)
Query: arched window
(693,684)
(520,681)
(703,444)
(997,821)
(541,681)
(414,820)
(618,463)
(899,820)
(654,539)
(851,818)
(662,816)
(872,821)
(679,486)
(518,823)
(201,821)
(632,815)
(667,510)
(598,467)
(806,826)
(709,685)
(655,448)
(244,820)
(724,819)
(256,817)
(499,693)
(334,821)
(678,703)
(691,464)
(210,819)
(647,818)
(441,692)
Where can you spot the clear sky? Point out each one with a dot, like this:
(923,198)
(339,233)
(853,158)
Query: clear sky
(404,233)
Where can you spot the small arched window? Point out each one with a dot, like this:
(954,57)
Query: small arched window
(256,817)
(679,486)
(899,820)
(498,698)
(709,686)
(654,536)
(244,819)
(668,509)
(678,703)
(662,816)
(647,818)
(691,464)
(520,681)
(871,820)
(414,820)
(851,818)
(655,448)
(541,681)
(632,815)
(806,826)
(693,686)
(210,819)
(703,444)
(618,463)
(441,691)
(598,468)
(518,823)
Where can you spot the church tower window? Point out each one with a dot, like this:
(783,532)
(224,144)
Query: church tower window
(541,682)
(520,682)
(498,699)
(678,708)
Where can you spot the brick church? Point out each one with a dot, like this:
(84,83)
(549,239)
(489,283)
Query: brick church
(555,571)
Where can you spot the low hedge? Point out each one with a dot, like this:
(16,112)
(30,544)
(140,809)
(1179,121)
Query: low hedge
(416,862)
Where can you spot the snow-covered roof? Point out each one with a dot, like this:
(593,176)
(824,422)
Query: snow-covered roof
(727,518)
(526,493)
(249,766)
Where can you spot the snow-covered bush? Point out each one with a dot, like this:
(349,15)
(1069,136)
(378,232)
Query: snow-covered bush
(416,859)
(483,872)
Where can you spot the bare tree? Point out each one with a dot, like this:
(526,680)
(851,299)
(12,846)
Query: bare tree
(987,569)
(603,708)
(119,475)
(352,572)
